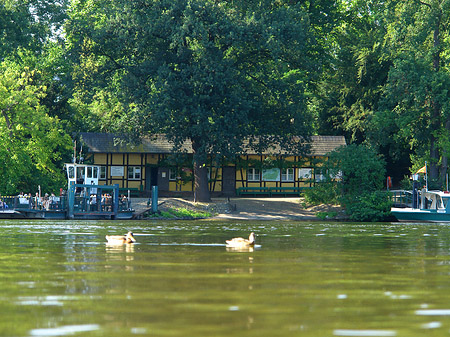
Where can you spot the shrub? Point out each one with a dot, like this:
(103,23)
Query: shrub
(371,206)
(359,189)
(321,194)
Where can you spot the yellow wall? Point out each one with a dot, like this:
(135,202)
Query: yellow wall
(145,160)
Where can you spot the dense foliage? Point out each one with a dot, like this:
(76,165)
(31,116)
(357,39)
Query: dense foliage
(354,177)
(214,72)
(199,70)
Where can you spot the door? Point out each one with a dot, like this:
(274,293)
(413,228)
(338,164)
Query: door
(151,177)
(229,180)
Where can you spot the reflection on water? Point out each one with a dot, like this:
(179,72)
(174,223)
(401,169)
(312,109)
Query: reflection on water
(248,249)
(303,279)
(64,330)
(114,248)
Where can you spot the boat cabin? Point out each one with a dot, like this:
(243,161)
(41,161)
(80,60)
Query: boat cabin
(82,174)
(436,200)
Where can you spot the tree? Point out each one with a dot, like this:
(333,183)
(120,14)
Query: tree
(354,176)
(199,70)
(31,142)
(29,24)
(417,90)
(349,93)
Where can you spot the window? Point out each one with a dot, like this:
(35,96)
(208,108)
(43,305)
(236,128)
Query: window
(319,176)
(134,172)
(253,174)
(71,172)
(92,172)
(172,174)
(103,172)
(336,176)
(287,174)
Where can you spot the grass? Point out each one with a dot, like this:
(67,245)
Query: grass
(180,213)
(326,215)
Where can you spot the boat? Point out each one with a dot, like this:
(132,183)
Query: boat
(85,199)
(421,206)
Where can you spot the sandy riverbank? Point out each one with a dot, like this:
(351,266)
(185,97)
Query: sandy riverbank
(245,208)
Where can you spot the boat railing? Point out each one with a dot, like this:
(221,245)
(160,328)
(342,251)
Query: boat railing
(28,203)
(93,203)
(401,198)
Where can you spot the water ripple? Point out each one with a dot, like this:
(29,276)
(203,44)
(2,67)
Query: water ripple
(64,330)
(365,333)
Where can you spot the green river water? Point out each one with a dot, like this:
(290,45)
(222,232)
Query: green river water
(179,279)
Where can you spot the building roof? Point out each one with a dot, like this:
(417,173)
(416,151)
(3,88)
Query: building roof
(159,144)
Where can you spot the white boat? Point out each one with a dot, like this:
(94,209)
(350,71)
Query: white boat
(430,206)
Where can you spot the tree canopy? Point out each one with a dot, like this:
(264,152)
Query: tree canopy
(216,72)
(201,71)
(30,140)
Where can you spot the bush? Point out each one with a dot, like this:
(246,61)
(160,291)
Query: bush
(372,206)
(359,190)
(321,194)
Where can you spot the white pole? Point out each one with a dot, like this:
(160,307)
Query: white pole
(75,152)
(426,177)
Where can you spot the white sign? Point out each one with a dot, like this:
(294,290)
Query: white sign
(272,174)
(117,171)
(305,173)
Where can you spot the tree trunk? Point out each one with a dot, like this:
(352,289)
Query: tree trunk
(201,189)
(435,106)
(444,165)
(434,156)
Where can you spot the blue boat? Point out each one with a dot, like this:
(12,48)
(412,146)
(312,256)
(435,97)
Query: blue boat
(423,206)
(85,199)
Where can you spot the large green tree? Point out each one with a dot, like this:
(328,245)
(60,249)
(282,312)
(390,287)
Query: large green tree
(31,142)
(417,99)
(29,24)
(203,71)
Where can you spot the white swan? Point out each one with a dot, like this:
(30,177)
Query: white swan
(241,242)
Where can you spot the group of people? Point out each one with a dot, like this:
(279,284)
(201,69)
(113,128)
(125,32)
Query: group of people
(46,202)
(105,202)
(3,204)
(51,201)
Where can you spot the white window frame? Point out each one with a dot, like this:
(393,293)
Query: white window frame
(92,172)
(136,173)
(253,174)
(287,174)
(172,174)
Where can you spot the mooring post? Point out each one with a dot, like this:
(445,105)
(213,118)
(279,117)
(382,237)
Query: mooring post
(154,199)
(71,199)
(116,200)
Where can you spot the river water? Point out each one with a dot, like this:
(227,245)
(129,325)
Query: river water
(179,279)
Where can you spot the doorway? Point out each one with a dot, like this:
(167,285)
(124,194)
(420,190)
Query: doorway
(151,177)
(229,180)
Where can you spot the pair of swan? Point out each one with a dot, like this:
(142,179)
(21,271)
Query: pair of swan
(233,243)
